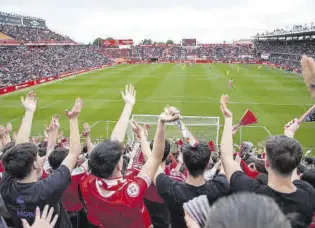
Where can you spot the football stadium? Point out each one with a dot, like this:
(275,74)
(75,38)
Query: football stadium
(138,132)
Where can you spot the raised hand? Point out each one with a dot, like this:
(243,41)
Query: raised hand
(87,130)
(44,221)
(2,131)
(238,159)
(130,94)
(224,109)
(308,68)
(170,114)
(291,127)
(8,128)
(137,129)
(180,157)
(54,124)
(218,164)
(146,129)
(14,136)
(74,113)
(30,101)
(60,135)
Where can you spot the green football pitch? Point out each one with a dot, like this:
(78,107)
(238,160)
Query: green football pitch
(274,96)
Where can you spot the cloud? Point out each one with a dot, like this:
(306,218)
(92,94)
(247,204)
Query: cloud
(206,20)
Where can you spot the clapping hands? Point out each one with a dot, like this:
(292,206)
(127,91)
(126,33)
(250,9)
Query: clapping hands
(170,114)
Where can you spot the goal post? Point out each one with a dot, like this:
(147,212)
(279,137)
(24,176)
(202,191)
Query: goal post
(204,128)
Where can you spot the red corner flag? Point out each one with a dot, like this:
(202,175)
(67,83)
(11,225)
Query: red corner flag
(211,146)
(248,118)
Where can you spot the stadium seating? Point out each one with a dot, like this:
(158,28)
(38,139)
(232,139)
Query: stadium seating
(20,64)
(29,34)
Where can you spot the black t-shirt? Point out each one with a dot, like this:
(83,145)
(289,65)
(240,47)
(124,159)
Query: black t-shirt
(297,206)
(175,194)
(22,199)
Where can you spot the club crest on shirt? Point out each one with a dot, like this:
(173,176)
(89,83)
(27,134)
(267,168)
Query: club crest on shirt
(133,189)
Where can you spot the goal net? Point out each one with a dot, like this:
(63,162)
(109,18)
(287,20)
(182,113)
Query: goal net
(204,128)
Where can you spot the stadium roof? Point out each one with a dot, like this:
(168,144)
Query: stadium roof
(310,32)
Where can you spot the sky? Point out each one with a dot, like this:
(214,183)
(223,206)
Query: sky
(209,21)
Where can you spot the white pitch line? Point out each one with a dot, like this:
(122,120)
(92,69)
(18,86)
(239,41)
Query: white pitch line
(51,104)
(11,121)
(94,124)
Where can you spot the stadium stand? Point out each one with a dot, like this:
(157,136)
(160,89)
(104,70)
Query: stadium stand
(112,184)
(28,34)
(7,40)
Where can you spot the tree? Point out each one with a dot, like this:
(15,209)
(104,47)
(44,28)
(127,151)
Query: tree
(97,41)
(146,41)
(169,42)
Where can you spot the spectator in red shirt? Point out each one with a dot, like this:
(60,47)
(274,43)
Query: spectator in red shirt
(111,200)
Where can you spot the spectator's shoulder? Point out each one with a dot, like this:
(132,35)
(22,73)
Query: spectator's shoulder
(303,185)
(241,182)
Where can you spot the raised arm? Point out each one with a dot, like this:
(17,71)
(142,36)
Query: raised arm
(133,155)
(2,134)
(229,165)
(87,136)
(120,129)
(180,161)
(29,104)
(75,146)
(308,68)
(7,138)
(150,167)
(52,132)
(142,136)
(291,127)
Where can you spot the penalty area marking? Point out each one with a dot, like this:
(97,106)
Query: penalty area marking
(47,106)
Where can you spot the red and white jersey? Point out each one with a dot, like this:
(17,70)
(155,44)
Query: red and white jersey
(177,176)
(152,193)
(70,197)
(116,202)
(231,82)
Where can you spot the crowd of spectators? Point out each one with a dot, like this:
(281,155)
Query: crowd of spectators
(21,64)
(32,34)
(148,183)
(293,47)
(177,52)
